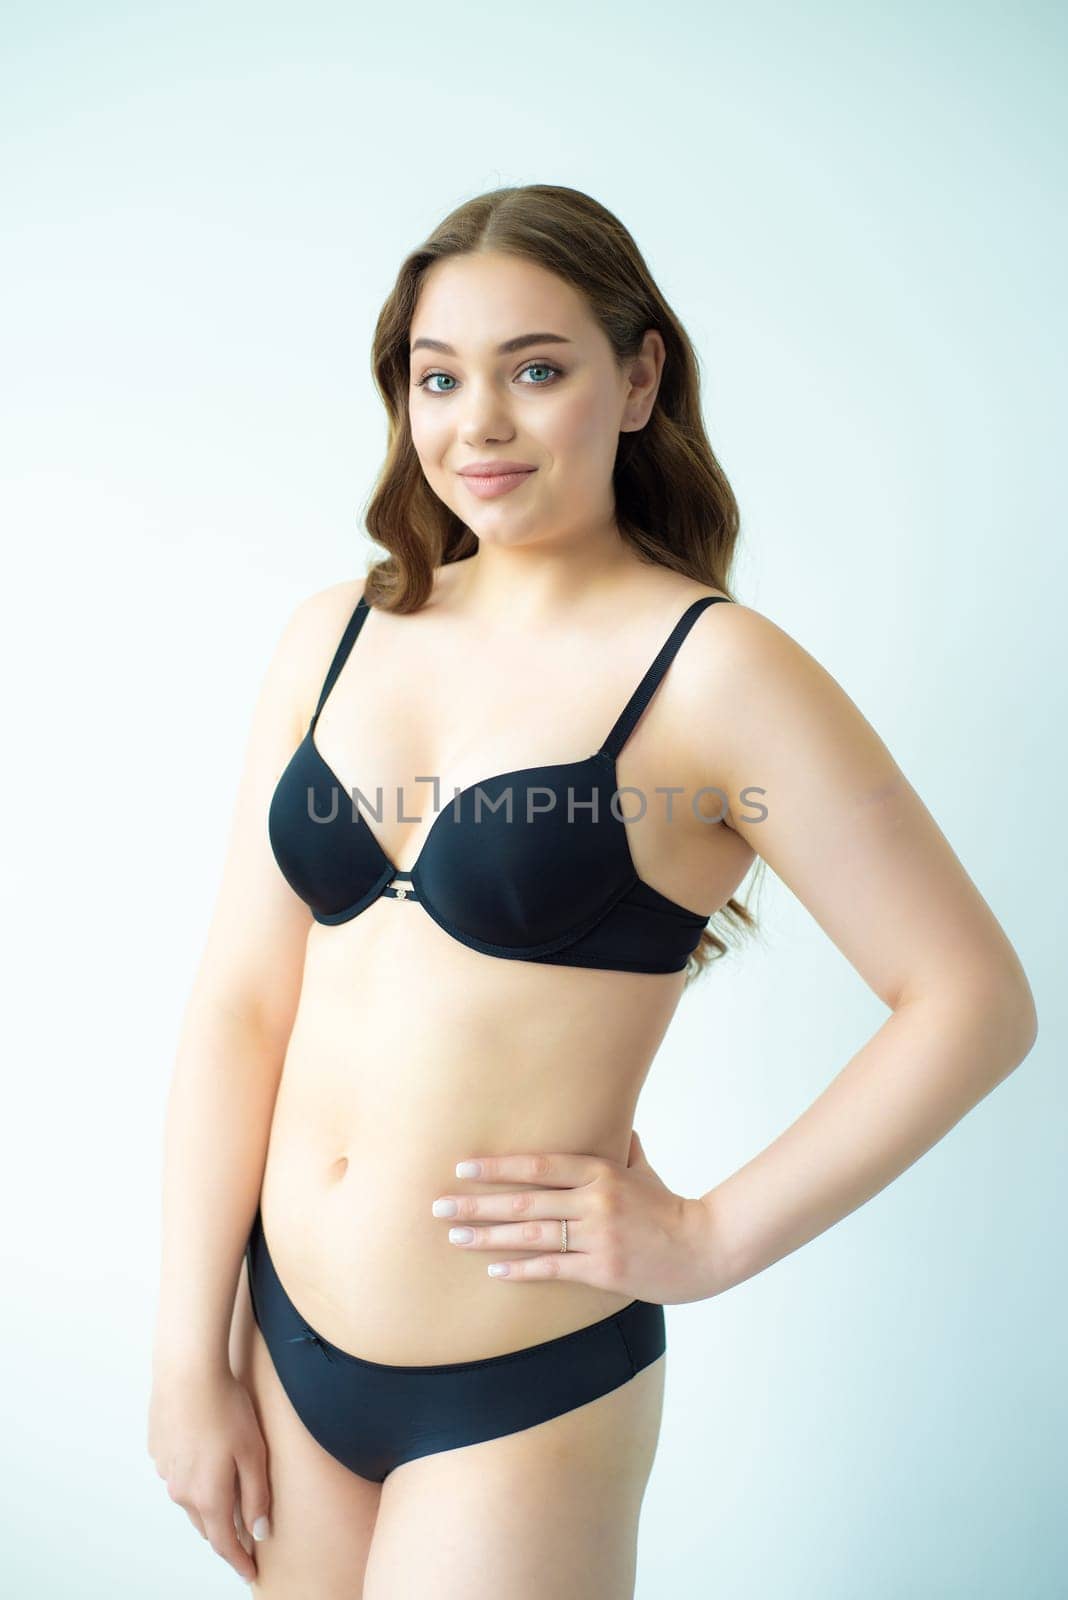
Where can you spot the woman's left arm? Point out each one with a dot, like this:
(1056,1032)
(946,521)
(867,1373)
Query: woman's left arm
(846,832)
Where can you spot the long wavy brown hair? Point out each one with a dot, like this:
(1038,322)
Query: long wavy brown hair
(672,499)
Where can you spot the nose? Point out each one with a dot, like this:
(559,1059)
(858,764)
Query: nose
(484,415)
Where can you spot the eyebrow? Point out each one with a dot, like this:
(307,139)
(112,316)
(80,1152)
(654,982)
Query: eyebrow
(507,348)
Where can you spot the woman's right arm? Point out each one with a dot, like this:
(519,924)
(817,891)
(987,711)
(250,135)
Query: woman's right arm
(232,1046)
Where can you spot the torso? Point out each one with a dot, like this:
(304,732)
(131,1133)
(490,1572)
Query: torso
(409,1051)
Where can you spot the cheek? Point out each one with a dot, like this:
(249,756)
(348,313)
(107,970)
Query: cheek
(572,427)
(422,430)
(432,444)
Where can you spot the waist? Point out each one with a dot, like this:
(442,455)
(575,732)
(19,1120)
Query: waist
(393,1074)
(356,1245)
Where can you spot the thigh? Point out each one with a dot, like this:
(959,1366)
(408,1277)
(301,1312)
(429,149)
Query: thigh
(550,1510)
(322,1515)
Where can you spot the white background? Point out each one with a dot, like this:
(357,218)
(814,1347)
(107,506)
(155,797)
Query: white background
(858,217)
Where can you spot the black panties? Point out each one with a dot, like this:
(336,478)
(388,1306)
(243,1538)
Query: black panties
(373,1416)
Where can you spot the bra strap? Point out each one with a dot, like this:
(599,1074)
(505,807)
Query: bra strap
(341,654)
(628,717)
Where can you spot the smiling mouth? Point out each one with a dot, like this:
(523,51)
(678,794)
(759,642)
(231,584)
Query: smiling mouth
(491,485)
(493,477)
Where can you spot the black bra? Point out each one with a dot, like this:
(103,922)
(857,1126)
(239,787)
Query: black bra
(545,887)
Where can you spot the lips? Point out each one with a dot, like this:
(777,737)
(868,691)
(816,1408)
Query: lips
(488,485)
(496,477)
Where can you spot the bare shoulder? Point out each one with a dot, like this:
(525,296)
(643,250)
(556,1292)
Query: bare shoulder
(814,790)
(672,591)
(760,708)
(311,636)
(733,644)
(321,611)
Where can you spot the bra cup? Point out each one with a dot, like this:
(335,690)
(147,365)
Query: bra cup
(548,878)
(519,882)
(333,864)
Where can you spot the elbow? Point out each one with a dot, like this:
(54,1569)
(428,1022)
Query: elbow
(1028,1020)
(1015,1004)
(1013,1017)
(1001,1001)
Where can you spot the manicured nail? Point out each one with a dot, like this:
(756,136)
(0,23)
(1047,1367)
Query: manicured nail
(469,1169)
(261,1528)
(498,1270)
(461,1235)
(445,1208)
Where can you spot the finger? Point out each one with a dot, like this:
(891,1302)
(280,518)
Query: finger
(561,1265)
(244,1528)
(182,1496)
(561,1171)
(222,1536)
(523,1203)
(197,1520)
(254,1495)
(541,1236)
(243,1534)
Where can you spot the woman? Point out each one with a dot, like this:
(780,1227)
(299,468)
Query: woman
(414,965)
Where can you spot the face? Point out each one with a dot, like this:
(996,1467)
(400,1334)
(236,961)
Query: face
(555,404)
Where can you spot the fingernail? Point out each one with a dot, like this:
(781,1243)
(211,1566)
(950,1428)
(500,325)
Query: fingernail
(261,1528)
(445,1208)
(461,1235)
(499,1270)
(469,1169)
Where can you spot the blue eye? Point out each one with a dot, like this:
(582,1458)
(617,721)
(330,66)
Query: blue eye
(424,381)
(536,366)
